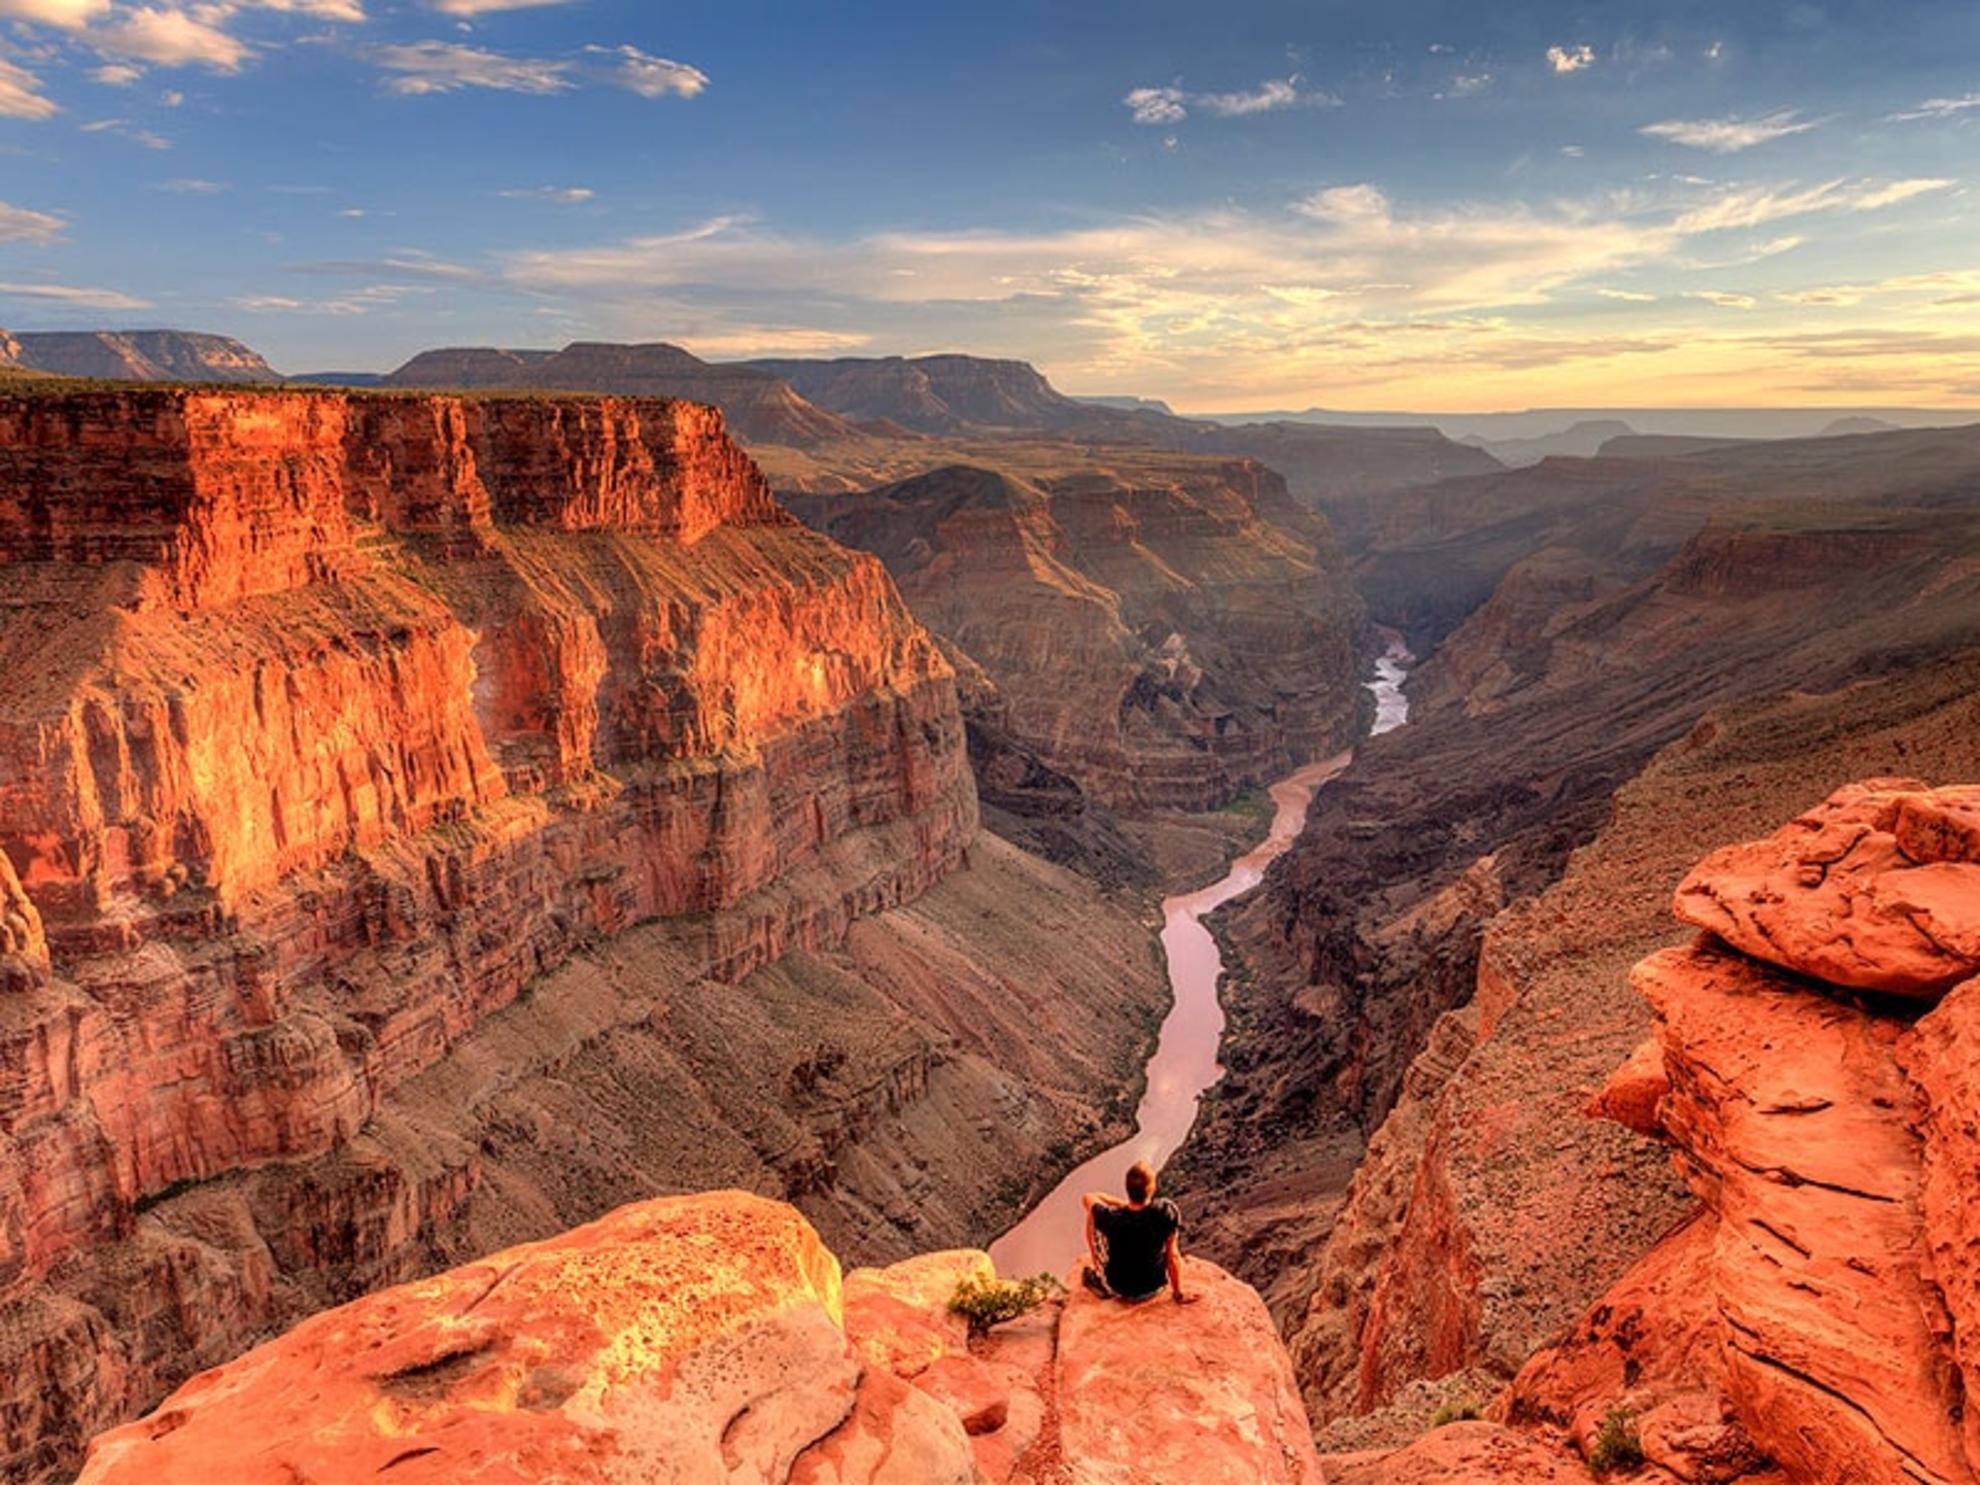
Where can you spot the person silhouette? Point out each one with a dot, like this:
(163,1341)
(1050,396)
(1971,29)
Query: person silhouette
(1134,1246)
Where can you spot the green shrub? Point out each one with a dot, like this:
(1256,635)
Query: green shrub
(1617,1444)
(987,1302)
(1457,1410)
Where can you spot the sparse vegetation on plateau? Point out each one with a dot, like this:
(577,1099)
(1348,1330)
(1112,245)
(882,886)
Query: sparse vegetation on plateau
(1457,1410)
(1618,1446)
(989,1302)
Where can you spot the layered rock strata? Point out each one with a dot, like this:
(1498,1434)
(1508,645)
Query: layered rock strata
(415,811)
(1488,1211)
(714,1338)
(1521,733)
(1827,1308)
(1165,638)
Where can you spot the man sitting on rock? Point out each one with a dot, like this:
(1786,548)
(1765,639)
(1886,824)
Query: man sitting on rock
(1133,1247)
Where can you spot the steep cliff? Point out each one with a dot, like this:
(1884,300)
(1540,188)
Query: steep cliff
(1165,634)
(714,1337)
(1826,1313)
(416,811)
(1489,1211)
(1528,721)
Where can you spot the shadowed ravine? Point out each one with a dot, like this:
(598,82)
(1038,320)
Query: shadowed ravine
(1185,1063)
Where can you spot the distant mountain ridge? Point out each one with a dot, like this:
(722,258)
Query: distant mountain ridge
(759,406)
(1690,422)
(137,355)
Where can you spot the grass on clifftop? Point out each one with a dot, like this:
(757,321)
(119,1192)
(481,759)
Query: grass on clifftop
(1618,1446)
(988,1302)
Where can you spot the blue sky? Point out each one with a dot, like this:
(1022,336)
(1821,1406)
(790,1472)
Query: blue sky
(1233,205)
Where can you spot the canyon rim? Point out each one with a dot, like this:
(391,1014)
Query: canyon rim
(670,677)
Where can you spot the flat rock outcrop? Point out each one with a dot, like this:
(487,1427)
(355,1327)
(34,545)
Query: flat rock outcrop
(415,812)
(1877,889)
(1163,1392)
(713,1338)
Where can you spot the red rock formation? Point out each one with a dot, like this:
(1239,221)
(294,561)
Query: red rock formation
(1166,634)
(701,1338)
(1819,1312)
(1878,888)
(1152,1393)
(342,720)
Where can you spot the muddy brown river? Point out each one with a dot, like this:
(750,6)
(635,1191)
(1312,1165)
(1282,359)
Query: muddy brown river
(1050,1236)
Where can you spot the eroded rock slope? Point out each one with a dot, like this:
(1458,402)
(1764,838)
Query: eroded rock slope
(430,822)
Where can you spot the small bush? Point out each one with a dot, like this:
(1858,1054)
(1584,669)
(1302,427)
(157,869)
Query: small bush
(1457,1410)
(987,1302)
(1617,1444)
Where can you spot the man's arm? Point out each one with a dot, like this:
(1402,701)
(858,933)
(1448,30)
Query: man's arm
(1173,1254)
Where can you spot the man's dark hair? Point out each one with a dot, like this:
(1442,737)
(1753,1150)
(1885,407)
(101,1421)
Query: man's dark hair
(1140,1181)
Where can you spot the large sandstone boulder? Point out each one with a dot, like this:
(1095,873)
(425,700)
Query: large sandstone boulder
(1167,1394)
(1877,888)
(709,1340)
(685,1339)
(1787,1112)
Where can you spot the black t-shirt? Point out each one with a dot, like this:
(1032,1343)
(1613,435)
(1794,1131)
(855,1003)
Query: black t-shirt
(1134,1245)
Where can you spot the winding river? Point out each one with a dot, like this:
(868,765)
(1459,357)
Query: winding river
(1185,1063)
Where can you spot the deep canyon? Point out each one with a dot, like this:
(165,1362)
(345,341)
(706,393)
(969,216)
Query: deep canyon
(434,819)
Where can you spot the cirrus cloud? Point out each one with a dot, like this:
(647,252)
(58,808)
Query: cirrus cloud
(1171,105)
(1728,136)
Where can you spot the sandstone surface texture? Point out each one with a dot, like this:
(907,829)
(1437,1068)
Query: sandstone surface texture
(712,1338)
(1820,1311)
(429,822)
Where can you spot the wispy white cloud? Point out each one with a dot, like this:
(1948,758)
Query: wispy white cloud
(1723,299)
(118,74)
(19,224)
(1467,85)
(70,15)
(650,76)
(485,7)
(421,67)
(1570,58)
(1754,206)
(1937,108)
(1171,105)
(20,94)
(1627,296)
(1730,135)
(357,302)
(125,129)
(558,195)
(191,185)
(86,298)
